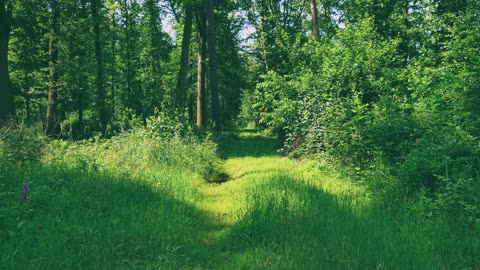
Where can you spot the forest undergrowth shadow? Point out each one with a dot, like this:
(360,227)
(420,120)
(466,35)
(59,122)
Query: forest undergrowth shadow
(247,144)
(76,219)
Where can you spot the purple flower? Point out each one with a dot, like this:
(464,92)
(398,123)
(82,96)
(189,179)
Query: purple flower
(24,191)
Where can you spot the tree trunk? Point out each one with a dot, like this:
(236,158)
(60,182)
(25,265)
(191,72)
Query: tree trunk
(216,117)
(201,104)
(263,35)
(53,122)
(182,75)
(155,41)
(112,65)
(314,14)
(100,93)
(129,95)
(7,108)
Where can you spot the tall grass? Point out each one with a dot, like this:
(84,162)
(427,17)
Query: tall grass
(122,203)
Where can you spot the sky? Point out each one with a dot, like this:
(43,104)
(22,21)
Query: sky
(169,20)
(167,23)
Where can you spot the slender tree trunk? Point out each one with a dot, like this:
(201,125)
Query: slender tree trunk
(53,122)
(201,104)
(129,95)
(155,90)
(82,85)
(216,117)
(182,75)
(80,110)
(263,35)
(112,65)
(155,40)
(7,108)
(100,93)
(314,14)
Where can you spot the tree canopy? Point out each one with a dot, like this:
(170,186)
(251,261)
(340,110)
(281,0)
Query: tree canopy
(366,82)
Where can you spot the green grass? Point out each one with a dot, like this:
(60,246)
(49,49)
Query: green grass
(139,202)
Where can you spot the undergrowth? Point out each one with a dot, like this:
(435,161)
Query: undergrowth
(122,203)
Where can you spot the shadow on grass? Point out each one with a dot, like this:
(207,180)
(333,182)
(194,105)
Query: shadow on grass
(90,220)
(78,220)
(247,144)
(291,225)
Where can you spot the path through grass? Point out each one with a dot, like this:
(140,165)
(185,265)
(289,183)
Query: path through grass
(278,213)
(114,205)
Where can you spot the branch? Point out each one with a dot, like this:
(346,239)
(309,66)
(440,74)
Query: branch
(175,14)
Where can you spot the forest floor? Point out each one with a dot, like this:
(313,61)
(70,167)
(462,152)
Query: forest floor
(115,205)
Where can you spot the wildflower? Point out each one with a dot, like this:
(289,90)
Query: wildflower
(24,191)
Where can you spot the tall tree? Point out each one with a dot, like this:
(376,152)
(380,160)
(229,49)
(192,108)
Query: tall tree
(182,74)
(202,40)
(113,7)
(132,95)
(216,117)
(7,108)
(154,48)
(314,14)
(52,127)
(101,108)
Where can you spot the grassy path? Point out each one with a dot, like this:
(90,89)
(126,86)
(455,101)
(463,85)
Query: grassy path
(277,213)
(259,180)
(248,159)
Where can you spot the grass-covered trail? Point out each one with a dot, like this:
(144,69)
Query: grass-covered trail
(248,159)
(271,212)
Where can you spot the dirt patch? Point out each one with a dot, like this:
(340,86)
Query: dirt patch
(221,178)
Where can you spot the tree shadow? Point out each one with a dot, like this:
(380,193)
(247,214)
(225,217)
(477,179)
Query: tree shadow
(74,219)
(247,144)
(289,224)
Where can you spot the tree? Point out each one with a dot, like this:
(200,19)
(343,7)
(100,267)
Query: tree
(154,49)
(216,117)
(52,127)
(202,40)
(101,108)
(7,108)
(313,13)
(182,74)
(113,8)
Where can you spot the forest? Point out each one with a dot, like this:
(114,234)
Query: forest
(237,134)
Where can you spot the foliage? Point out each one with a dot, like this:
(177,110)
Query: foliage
(99,198)
(20,145)
(359,100)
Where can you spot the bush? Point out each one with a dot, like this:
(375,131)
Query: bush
(21,145)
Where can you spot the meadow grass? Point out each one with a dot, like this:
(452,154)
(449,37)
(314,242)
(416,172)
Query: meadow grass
(136,202)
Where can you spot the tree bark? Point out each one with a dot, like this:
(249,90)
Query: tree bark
(52,127)
(216,117)
(99,81)
(7,108)
(201,101)
(182,75)
(314,14)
